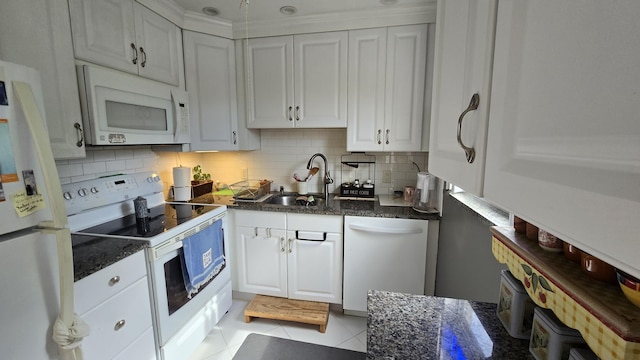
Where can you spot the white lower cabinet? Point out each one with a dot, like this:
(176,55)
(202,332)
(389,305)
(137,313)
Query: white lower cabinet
(298,256)
(120,328)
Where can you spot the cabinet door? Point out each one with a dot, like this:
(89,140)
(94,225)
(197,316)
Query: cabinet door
(564,136)
(103,33)
(367,67)
(315,268)
(262,261)
(270,82)
(462,67)
(404,97)
(320,65)
(159,44)
(211,84)
(49,51)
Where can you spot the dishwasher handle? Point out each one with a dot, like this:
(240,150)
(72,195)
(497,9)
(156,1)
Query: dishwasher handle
(384,230)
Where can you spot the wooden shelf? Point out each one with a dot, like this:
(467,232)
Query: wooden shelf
(608,322)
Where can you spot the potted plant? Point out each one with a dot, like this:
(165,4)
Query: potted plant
(201,183)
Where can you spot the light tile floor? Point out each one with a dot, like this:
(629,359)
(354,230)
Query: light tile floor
(343,331)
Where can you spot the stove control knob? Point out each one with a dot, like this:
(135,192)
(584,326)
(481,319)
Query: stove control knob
(94,190)
(67,195)
(82,192)
(156,178)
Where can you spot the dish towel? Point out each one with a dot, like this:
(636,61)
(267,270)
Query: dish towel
(202,257)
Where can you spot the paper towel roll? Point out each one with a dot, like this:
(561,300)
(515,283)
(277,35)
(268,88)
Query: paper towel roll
(182,193)
(181,176)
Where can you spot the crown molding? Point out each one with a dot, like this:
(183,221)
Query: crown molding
(362,19)
(337,21)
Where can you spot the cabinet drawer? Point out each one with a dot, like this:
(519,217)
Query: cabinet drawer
(265,219)
(312,222)
(143,348)
(132,308)
(101,285)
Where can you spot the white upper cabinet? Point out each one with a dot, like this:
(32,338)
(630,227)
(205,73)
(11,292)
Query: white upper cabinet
(564,136)
(386,88)
(210,72)
(36,33)
(297,81)
(124,35)
(462,69)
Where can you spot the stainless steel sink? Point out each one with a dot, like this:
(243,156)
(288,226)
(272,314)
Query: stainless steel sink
(290,200)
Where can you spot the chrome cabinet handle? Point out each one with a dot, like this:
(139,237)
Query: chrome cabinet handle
(469,151)
(290,118)
(235,138)
(144,57)
(387,137)
(282,243)
(114,280)
(119,325)
(268,232)
(135,54)
(290,247)
(379,136)
(255,230)
(80,134)
(297,113)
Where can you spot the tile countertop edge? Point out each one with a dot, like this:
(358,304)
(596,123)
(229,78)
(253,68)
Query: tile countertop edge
(488,213)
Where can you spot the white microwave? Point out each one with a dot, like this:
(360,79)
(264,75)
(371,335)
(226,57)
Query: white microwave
(124,109)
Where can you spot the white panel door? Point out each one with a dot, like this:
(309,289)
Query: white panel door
(320,68)
(366,89)
(564,136)
(315,268)
(50,51)
(270,82)
(262,261)
(404,98)
(159,44)
(211,85)
(462,68)
(103,33)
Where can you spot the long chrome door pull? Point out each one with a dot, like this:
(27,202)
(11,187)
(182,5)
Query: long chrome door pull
(379,136)
(290,117)
(282,244)
(290,245)
(469,151)
(297,113)
(388,136)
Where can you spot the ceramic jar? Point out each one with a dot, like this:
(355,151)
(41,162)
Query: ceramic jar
(549,242)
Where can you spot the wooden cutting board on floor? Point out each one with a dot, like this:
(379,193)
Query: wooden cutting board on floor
(307,312)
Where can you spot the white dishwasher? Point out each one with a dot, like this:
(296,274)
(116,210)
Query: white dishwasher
(382,254)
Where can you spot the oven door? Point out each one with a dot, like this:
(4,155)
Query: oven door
(173,308)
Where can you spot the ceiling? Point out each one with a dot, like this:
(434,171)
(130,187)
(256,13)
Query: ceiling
(269,10)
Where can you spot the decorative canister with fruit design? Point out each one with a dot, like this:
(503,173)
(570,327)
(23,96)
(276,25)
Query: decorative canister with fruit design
(515,307)
(550,338)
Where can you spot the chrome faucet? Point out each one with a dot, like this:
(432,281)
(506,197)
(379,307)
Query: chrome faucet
(327,175)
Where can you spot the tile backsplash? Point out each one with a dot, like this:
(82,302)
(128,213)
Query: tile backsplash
(282,153)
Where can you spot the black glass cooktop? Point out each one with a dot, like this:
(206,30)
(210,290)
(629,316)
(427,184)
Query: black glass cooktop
(161,218)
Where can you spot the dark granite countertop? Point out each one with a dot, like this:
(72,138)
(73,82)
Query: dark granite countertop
(370,208)
(402,326)
(91,254)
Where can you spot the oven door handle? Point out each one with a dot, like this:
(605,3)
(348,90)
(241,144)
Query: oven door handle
(165,248)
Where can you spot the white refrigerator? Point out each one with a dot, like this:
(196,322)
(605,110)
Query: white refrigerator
(36,265)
